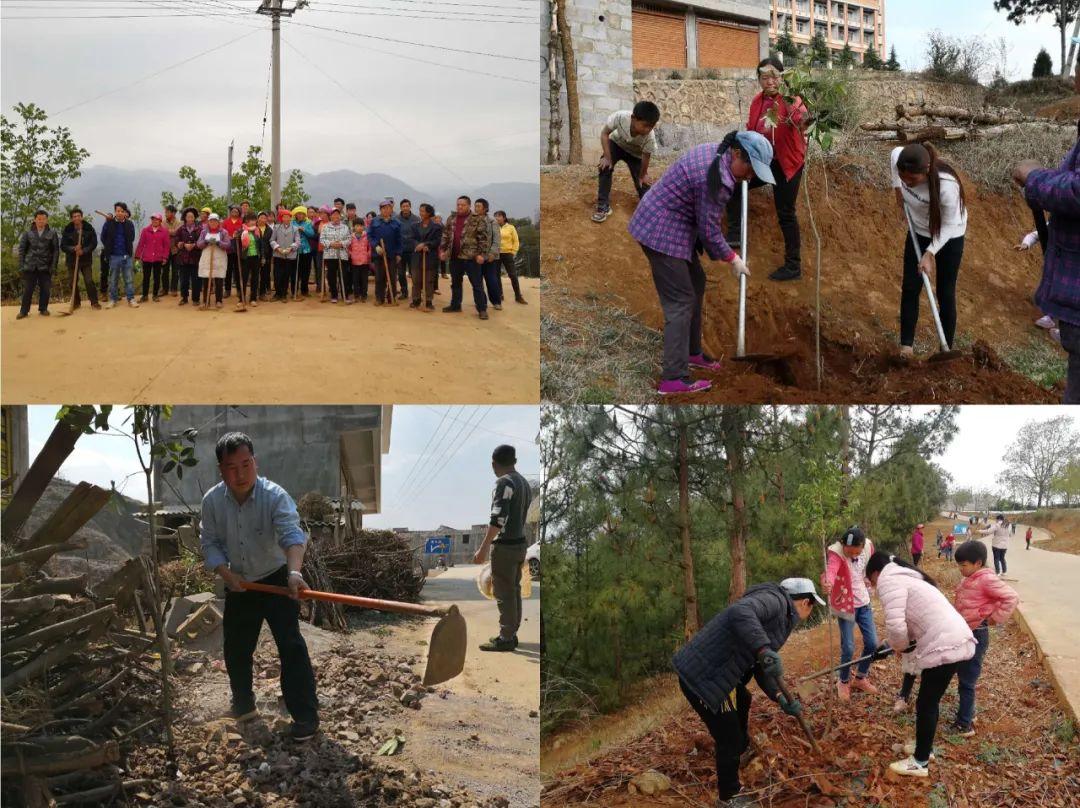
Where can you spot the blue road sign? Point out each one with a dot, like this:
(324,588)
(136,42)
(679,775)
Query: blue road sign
(960,528)
(437,545)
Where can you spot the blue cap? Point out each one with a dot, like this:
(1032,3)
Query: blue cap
(760,152)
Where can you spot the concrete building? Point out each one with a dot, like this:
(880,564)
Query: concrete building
(613,38)
(858,24)
(334,450)
(14,446)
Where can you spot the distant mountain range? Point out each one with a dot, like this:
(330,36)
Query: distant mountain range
(100,187)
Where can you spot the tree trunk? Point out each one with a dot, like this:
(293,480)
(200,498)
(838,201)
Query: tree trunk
(692,619)
(573,108)
(554,153)
(845,455)
(735,451)
(1072,46)
(1063,22)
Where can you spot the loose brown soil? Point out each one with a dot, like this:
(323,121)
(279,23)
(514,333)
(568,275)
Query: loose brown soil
(292,353)
(862,241)
(1025,752)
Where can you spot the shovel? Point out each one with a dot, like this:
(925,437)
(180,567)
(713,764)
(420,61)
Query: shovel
(389,280)
(802,718)
(946,354)
(446,649)
(741,355)
(871,655)
(74,281)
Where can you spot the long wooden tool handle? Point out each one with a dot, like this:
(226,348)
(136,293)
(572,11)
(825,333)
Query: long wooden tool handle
(802,719)
(350,600)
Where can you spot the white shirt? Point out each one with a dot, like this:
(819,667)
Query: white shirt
(917,198)
(618,123)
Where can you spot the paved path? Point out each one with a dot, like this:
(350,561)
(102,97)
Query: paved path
(1047,583)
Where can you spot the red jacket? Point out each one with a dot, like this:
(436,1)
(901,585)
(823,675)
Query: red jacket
(153,246)
(984,596)
(789,144)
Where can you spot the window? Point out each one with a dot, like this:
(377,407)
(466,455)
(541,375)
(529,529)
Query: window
(838,9)
(821,28)
(803,7)
(465,538)
(868,19)
(800,27)
(821,10)
(855,36)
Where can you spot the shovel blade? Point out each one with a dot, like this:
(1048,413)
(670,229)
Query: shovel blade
(946,356)
(446,649)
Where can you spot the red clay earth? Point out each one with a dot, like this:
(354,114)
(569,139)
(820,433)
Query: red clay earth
(1021,755)
(862,242)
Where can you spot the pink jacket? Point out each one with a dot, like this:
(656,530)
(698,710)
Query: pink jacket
(154,247)
(359,250)
(915,610)
(984,596)
(916,541)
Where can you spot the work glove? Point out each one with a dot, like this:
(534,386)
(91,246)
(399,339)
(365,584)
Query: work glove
(770,664)
(739,267)
(379,250)
(883,651)
(793,707)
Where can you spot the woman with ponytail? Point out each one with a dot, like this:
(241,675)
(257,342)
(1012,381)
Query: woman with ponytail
(931,190)
(916,611)
(677,220)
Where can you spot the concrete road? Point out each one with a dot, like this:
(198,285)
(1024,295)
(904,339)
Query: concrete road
(1047,582)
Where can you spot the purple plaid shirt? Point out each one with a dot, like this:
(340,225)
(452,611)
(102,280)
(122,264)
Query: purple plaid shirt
(1057,191)
(677,210)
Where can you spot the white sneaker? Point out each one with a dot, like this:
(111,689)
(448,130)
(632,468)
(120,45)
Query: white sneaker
(133,303)
(900,706)
(909,767)
(111,304)
(1046,321)
(908,749)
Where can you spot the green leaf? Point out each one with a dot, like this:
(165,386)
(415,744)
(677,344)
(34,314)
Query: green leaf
(392,746)
(168,467)
(188,461)
(180,472)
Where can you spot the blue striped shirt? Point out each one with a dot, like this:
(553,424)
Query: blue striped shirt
(251,538)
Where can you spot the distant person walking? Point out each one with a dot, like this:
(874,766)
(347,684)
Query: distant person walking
(999,542)
(491,264)
(39,253)
(917,544)
(505,543)
(1027,539)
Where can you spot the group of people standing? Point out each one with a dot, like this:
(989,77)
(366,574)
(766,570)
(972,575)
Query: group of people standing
(196,254)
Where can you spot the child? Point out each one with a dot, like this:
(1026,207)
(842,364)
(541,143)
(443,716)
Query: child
(1027,538)
(360,263)
(250,252)
(931,190)
(626,136)
(984,601)
(947,547)
(845,581)
(916,610)
(678,219)
(153,251)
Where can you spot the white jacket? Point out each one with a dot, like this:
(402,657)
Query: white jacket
(916,610)
(953,218)
(999,535)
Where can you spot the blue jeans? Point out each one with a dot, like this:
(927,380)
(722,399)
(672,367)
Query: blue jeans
(999,559)
(864,617)
(967,674)
(118,264)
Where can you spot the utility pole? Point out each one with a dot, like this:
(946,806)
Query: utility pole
(228,180)
(275,10)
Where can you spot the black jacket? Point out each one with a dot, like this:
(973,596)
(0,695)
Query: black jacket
(107,236)
(724,652)
(69,238)
(38,252)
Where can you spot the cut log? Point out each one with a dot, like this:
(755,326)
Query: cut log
(93,692)
(57,447)
(42,584)
(53,656)
(104,616)
(12,729)
(980,117)
(108,752)
(102,793)
(78,508)
(39,555)
(47,744)
(19,608)
(121,584)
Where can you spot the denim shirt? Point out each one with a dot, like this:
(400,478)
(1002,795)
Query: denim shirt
(251,538)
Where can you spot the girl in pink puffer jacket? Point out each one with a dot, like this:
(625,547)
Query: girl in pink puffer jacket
(916,611)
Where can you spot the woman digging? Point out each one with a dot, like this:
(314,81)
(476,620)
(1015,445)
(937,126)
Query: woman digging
(677,220)
(931,190)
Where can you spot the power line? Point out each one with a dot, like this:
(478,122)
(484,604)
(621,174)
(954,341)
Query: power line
(439,451)
(435,475)
(453,16)
(485,429)
(423,452)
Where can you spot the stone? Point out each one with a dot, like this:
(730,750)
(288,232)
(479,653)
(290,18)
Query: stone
(650,783)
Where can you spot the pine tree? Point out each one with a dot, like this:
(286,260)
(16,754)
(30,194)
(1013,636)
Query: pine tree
(1044,65)
(871,60)
(819,51)
(786,46)
(847,56)
(893,64)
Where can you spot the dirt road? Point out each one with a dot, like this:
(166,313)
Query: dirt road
(482,735)
(279,353)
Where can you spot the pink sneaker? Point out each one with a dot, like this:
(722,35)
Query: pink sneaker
(703,361)
(843,690)
(1046,321)
(864,685)
(674,387)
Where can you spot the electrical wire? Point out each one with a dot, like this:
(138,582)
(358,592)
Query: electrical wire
(423,451)
(438,450)
(435,475)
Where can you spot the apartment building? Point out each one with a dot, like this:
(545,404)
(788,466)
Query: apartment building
(858,24)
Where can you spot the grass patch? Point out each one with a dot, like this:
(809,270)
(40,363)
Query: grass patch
(989,161)
(1040,360)
(1063,730)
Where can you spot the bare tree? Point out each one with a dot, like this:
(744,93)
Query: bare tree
(1039,453)
(573,107)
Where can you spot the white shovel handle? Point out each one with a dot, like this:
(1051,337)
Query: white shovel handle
(926,282)
(740,345)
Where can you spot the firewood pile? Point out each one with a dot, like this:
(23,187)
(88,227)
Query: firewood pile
(918,123)
(371,564)
(77,669)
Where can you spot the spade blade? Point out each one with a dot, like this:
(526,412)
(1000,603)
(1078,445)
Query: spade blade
(446,649)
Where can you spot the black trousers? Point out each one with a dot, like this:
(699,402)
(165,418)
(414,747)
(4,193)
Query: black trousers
(603,195)
(284,277)
(730,736)
(933,683)
(1070,341)
(384,278)
(232,270)
(244,615)
(459,268)
(37,279)
(188,281)
(86,267)
(424,272)
(205,289)
(403,273)
(507,261)
(785,196)
(358,280)
(304,268)
(152,269)
(104,272)
(948,267)
(335,272)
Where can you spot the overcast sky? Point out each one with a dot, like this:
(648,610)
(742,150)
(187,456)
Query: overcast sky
(908,21)
(458,495)
(350,98)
